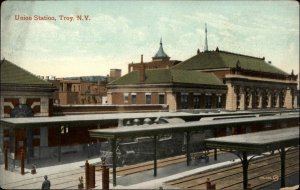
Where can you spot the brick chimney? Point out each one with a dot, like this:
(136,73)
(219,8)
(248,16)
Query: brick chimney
(142,70)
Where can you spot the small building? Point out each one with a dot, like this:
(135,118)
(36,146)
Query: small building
(159,60)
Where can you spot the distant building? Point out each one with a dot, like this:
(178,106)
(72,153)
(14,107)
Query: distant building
(80,90)
(159,60)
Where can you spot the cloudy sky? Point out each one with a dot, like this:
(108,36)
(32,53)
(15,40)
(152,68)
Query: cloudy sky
(118,32)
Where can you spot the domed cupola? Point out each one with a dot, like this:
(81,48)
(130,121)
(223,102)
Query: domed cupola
(161,55)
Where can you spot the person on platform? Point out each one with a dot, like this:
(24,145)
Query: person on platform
(46,183)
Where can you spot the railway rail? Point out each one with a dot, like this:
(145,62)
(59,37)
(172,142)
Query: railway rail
(262,171)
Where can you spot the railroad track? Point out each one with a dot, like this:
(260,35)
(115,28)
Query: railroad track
(136,168)
(66,179)
(260,173)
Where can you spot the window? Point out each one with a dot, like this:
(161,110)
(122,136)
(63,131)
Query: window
(125,98)
(64,129)
(69,87)
(208,101)
(184,101)
(148,98)
(161,99)
(219,102)
(197,102)
(273,100)
(254,97)
(281,100)
(133,98)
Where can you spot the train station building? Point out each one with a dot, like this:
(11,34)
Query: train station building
(179,89)
(209,80)
(24,95)
(252,83)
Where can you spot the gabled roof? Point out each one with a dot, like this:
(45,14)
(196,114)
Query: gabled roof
(167,76)
(12,74)
(222,59)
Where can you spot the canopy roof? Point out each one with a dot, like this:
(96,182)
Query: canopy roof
(257,142)
(88,119)
(148,130)
(84,119)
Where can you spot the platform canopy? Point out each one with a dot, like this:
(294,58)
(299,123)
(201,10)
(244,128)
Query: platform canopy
(84,119)
(188,127)
(91,119)
(257,142)
(148,130)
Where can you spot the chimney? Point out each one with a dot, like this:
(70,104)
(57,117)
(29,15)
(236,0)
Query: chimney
(142,70)
(129,68)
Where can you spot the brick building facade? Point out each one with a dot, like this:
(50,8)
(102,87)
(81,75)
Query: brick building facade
(80,90)
(245,82)
(23,95)
(179,90)
(251,82)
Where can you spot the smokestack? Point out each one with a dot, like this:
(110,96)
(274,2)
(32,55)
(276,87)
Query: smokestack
(142,70)
(142,59)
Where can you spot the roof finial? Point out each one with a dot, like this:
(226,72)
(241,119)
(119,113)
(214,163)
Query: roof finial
(206,43)
(160,53)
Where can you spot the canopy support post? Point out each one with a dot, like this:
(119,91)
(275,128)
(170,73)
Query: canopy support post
(114,160)
(245,164)
(155,155)
(282,166)
(188,152)
(59,145)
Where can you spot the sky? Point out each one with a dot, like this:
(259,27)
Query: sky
(118,32)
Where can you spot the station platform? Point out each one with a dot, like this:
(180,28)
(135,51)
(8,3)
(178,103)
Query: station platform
(65,175)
